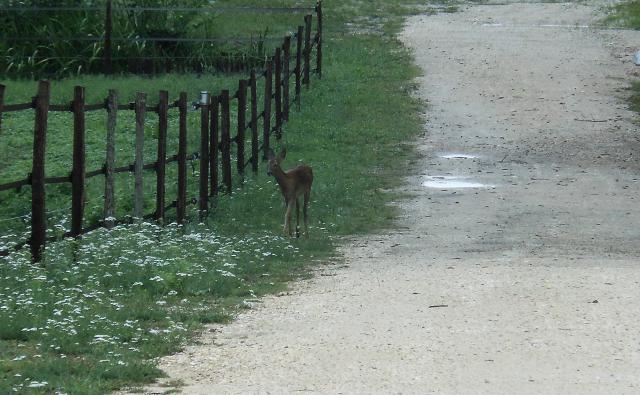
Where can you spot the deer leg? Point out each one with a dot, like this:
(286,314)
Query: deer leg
(297,218)
(287,219)
(304,213)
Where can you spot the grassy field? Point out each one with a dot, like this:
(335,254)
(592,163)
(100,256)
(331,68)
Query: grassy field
(71,55)
(95,314)
(17,138)
(627,15)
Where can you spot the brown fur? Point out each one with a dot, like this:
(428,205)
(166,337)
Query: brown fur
(293,183)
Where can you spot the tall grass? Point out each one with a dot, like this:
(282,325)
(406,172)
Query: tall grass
(61,43)
(625,14)
(93,316)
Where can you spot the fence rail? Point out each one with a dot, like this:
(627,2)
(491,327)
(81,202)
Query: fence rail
(214,154)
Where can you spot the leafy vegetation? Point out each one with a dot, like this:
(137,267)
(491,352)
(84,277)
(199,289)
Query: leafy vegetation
(634,99)
(94,314)
(58,42)
(625,14)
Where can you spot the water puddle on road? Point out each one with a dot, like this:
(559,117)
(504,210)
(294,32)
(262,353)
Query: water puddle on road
(452,182)
(458,156)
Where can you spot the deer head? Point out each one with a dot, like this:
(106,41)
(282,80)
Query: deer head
(275,160)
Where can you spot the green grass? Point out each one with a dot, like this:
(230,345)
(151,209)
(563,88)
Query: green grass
(40,58)
(625,15)
(17,140)
(93,316)
(634,98)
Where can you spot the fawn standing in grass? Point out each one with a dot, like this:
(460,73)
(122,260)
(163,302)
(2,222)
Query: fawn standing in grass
(293,183)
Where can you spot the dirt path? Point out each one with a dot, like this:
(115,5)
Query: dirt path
(530,248)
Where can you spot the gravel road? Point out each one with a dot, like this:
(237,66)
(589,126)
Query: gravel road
(514,267)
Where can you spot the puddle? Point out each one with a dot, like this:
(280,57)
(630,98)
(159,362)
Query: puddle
(458,156)
(551,25)
(452,182)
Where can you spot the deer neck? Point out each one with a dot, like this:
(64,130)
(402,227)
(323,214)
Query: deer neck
(282,179)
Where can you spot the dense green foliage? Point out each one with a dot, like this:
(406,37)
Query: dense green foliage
(634,99)
(625,14)
(60,42)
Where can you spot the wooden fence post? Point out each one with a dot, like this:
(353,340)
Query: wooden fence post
(226,140)
(278,93)
(319,42)
(286,50)
(254,122)
(108,26)
(38,216)
(2,88)
(266,116)
(138,197)
(163,109)
(109,180)
(181,205)
(213,145)
(242,124)
(298,64)
(307,50)
(78,171)
(204,156)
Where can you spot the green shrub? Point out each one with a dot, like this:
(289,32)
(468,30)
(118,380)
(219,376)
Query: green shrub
(37,44)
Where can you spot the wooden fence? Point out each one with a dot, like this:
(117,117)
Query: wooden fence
(214,155)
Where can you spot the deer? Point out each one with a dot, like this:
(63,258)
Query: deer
(293,183)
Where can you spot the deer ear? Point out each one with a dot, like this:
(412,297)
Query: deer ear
(282,153)
(270,154)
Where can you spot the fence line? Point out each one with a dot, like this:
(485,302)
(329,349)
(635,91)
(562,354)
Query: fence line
(215,142)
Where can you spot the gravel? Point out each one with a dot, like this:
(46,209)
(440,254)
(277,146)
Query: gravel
(520,275)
